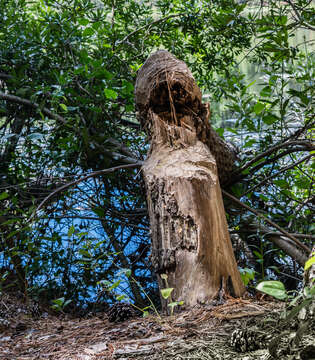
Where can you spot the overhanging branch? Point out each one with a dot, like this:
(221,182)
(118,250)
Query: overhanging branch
(75,182)
(277,173)
(261,216)
(34,105)
(292,146)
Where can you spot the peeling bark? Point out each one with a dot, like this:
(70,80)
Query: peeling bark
(190,239)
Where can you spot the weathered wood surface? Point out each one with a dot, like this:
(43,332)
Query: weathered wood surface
(190,239)
(166,86)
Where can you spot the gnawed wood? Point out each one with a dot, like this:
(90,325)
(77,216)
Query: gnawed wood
(166,86)
(190,239)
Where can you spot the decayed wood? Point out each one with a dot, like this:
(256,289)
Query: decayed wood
(166,86)
(190,239)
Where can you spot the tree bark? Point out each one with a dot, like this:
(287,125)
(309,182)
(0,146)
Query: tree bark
(190,239)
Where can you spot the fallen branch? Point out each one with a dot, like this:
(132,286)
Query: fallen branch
(261,216)
(75,182)
(282,242)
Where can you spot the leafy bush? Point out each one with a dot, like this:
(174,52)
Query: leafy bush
(67,72)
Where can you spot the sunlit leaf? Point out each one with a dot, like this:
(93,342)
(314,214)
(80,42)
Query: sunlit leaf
(71,230)
(110,94)
(166,292)
(273,288)
(4,195)
(64,107)
(309,263)
(88,31)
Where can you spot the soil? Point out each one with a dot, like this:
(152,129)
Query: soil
(203,332)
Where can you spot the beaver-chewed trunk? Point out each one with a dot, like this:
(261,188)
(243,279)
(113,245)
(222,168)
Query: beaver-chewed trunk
(190,239)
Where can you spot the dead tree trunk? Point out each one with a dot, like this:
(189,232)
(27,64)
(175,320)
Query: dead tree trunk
(190,239)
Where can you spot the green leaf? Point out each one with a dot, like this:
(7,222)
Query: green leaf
(247,275)
(237,189)
(4,195)
(282,20)
(126,272)
(115,285)
(172,304)
(110,94)
(269,119)
(302,95)
(263,197)
(282,183)
(83,21)
(99,211)
(67,302)
(84,252)
(71,230)
(96,25)
(249,143)
(258,254)
(88,31)
(166,292)
(265,92)
(250,84)
(107,75)
(309,263)
(59,301)
(64,107)
(259,107)
(273,288)
(220,131)
(297,309)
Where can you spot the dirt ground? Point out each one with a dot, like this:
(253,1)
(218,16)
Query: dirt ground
(200,333)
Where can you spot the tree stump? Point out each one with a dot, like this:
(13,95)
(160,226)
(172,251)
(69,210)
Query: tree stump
(189,232)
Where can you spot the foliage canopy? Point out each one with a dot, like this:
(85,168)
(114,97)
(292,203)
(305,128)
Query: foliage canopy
(67,72)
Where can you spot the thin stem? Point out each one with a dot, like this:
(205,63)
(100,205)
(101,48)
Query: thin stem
(261,216)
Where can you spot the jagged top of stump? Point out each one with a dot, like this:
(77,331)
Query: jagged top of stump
(160,75)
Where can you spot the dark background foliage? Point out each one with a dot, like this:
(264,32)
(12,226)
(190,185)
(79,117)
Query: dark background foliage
(67,73)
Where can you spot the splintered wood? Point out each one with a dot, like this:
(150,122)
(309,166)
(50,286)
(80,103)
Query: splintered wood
(190,239)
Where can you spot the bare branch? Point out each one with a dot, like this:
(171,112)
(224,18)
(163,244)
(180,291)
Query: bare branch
(5,76)
(147,229)
(46,111)
(34,105)
(274,233)
(296,235)
(75,182)
(155,22)
(283,243)
(277,173)
(285,233)
(307,145)
(301,145)
(298,15)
